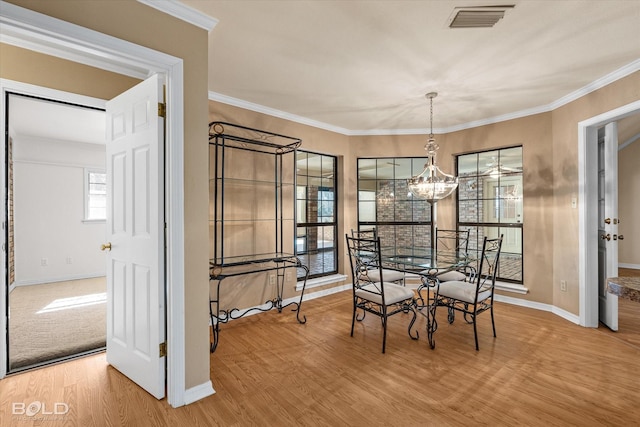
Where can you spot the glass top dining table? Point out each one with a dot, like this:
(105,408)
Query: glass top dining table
(423,259)
(428,263)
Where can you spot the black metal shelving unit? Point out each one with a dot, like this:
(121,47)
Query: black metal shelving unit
(252,183)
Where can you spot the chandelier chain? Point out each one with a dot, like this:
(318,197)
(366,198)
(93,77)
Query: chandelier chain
(431,117)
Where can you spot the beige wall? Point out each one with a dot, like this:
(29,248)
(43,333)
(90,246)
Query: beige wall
(565,170)
(140,24)
(629,204)
(550,156)
(35,68)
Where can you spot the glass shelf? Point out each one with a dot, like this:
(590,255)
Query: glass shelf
(252,177)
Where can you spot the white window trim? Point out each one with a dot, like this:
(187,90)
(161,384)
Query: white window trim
(321,281)
(85,217)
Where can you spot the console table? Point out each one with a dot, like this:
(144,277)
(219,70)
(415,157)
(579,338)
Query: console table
(238,266)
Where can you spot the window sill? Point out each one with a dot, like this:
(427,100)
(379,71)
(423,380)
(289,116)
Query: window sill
(511,287)
(322,281)
(94,221)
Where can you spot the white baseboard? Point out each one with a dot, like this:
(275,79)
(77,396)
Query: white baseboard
(539,306)
(198,392)
(58,279)
(632,266)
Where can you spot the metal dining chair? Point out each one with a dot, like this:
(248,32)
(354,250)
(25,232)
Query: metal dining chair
(452,241)
(474,296)
(383,299)
(388,275)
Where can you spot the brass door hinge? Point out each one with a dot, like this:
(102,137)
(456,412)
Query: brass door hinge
(163,349)
(162,109)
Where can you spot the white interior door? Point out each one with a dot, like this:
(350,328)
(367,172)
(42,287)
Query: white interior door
(135,222)
(608,223)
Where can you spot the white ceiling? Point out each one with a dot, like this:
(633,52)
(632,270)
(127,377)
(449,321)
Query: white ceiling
(361,67)
(37,118)
(364,66)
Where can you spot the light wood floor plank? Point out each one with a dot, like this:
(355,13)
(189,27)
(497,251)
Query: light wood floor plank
(270,370)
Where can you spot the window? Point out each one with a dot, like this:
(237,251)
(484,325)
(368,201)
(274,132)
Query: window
(316,213)
(490,203)
(95,195)
(385,203)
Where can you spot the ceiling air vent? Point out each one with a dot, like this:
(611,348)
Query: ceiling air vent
(477,17)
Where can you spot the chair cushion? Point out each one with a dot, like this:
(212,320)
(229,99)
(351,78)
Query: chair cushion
(463,291)
(393,293)
(387,275)
(445,276)
(451,275)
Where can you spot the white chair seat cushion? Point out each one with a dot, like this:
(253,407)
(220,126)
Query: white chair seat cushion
(393,293)
(373,275)
(446,276)
(463,291)
(451,275)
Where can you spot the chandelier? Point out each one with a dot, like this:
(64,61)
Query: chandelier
(432,184)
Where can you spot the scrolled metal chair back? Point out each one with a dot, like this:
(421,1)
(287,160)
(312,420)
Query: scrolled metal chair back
(364,256)
(488,267)
(452,240)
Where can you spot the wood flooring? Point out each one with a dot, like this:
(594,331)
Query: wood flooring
(541,370)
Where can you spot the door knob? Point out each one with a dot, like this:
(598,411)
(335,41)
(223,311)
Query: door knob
(621,237)
(607,221)
(604,237)
(105,246)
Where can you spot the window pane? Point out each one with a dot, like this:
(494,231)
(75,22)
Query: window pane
(386,168)
(96,196)
(490,191)
(487,162)
(316,198)
(402,168)
(366,168)
(468,165)
(468,188)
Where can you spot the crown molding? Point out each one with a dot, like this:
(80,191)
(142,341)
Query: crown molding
(182,11)
(229,100)
(595,85)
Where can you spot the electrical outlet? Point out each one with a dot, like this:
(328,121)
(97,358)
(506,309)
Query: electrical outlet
(69,260)
(272,279)
(288,276)
(44,262)
(563,285)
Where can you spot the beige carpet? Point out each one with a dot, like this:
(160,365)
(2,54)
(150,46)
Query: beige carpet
(56,320)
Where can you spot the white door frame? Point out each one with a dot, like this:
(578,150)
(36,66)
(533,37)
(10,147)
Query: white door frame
(588,212)
(31,30)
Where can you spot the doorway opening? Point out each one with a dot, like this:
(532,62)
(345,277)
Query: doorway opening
(588,208)
(55,152)
(64,40)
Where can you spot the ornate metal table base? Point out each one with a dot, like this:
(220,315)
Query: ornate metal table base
(282,263)
(429,283)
